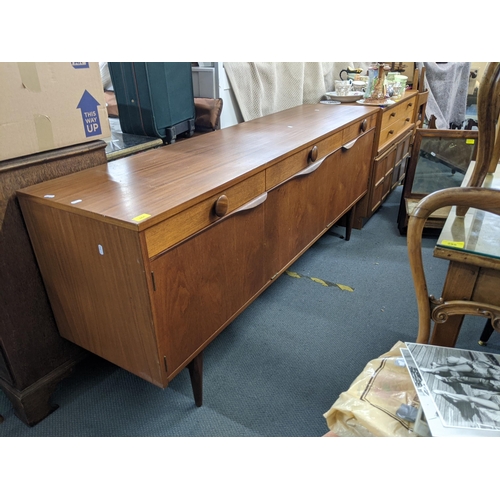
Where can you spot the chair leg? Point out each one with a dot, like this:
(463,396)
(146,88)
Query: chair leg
(196,375)
(487,331)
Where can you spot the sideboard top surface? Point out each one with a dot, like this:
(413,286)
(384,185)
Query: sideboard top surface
(140,190)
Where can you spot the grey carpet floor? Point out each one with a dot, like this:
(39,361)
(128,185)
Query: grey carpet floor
(282,363)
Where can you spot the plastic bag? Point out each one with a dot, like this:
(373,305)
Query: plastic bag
(375,400)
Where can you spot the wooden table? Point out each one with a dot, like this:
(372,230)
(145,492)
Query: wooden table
(472,245)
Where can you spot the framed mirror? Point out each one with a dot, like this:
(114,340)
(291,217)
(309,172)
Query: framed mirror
(440,159)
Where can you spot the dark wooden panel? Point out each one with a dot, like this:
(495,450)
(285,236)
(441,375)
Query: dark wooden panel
(29,335)
(33,355)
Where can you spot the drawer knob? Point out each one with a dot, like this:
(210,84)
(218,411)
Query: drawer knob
(407,120)
(391,132)
(221,206)
(393,114)
(364,125)
(313,154)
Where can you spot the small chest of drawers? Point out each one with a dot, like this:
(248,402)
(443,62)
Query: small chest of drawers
(393,139)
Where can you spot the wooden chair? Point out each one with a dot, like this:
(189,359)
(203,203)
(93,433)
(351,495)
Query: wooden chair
(488,111)
(372,406)
(422,97)
(430,308)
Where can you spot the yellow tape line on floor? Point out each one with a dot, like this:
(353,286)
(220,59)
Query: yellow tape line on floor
(293,274)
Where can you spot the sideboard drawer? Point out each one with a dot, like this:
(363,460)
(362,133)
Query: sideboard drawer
(395,120)
(292,165)
(356,129)
(184,224)
(398,112)
(389,134)
(280,172)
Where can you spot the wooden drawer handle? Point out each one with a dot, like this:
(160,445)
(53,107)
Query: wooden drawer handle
(391,132)
(247,206)
(309,170)
(221,206)
(407,120)
(410,104)
(313,154)
(253,203)
(393,114)
(349,145)
(364,125)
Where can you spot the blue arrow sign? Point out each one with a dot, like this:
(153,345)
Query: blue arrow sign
(90,115)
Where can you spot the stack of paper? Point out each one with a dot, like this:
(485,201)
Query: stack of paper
(459,390)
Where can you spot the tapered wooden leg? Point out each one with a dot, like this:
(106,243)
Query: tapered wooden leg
(196,374)
(349,222)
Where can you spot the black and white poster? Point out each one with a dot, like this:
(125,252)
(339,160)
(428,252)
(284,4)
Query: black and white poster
(463,385)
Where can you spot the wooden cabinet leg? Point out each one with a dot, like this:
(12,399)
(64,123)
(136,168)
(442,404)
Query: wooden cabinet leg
(196,374)
(349,222)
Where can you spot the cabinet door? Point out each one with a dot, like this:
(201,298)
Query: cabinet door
(302,208)
(351,179)
(402,154)
(205,281)
(383,168)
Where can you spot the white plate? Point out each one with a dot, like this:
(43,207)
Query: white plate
(388,102)
(351,97)
(330,102)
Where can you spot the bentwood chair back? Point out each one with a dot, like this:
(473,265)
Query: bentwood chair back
(488,112)
(430,308)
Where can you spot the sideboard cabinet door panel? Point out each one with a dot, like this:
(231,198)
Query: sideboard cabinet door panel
(204,282)
(297,212)
(301,209)
(351,175)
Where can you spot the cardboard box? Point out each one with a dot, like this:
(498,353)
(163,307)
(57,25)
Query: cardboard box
(45,106)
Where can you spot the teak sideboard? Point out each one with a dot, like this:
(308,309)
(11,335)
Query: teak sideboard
(148,258)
